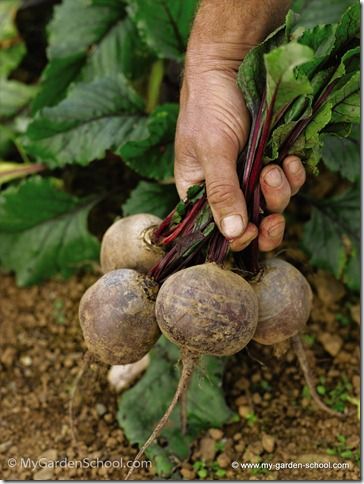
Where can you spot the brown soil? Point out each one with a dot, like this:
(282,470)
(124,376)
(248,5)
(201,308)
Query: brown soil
(41,353)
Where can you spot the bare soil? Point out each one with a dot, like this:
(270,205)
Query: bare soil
(42,352)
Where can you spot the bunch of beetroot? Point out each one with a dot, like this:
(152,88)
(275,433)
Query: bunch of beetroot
(177,276)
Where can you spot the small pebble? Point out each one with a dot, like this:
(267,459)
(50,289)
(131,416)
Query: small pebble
(101,409)
(244,411)
(268,442)
(5,446)
(45,474)
(240,447)
(355,313)
(216,434)
(250,456)
(353,442)
(188,474)
(26,360)
(224,461)
(49,455)
(242,400)
(257,399)
(207,449)
(332,343)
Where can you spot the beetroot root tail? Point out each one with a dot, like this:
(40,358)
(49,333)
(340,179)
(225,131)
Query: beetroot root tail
(188,365)
(302,359)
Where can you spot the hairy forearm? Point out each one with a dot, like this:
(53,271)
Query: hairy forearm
(227,29)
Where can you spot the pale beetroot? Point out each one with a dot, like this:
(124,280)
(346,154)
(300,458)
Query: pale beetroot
(128,244)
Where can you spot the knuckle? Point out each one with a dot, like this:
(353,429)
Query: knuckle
(220,193)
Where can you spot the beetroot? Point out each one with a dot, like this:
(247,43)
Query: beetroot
(285,302)
(207,310)
(117,317)
(128,244)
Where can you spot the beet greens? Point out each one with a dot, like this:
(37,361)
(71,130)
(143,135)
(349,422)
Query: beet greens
(299,85)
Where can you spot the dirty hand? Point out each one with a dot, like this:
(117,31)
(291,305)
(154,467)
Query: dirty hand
(213,127)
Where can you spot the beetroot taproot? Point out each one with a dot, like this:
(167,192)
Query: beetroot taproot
(284,300)
(207,310)
(117,317)
(128,244)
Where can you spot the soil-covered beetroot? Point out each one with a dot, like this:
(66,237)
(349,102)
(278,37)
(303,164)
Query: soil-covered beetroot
(285,302)
(127,244)
(207,310)
(117,317)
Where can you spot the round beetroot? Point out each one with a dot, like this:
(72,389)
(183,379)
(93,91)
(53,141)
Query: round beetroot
(285,302)
(117,317)
(207,310)
(127,244)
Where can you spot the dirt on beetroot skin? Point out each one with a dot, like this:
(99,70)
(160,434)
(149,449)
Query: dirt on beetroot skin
(42,352)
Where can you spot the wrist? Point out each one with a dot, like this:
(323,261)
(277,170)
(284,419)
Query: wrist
(225,31)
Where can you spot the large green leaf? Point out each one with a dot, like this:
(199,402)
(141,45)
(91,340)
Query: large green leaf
(150,151)
(309,144)
(345,99)
(164,24)
(282,82)
(332,236)
(57,76)
(251,75)
(43,231)
(315,12)
(121,50)
(206,405)
(149,197)
(343,154)
(90,40)
(14,96)
(78,24)
(95,117)
(12,48)
(349,26)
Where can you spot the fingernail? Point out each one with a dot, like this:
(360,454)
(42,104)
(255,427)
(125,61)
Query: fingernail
(232,226)
(273,178)
(294,166)
(276,230)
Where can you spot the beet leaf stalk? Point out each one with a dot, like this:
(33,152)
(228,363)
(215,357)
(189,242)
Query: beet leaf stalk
(295,89)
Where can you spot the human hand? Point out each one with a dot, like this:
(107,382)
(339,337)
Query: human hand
(213,127)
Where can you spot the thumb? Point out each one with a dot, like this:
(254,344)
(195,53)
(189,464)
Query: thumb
(225,196)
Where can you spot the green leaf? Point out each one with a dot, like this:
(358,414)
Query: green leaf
(149,197)
(251,75)
(164,25)
(314,12)
(56,78)
(43,231)
(309,144)
(343,154)
(8,9)
(346,99)
(95,117)
(120,51)
(282,82)
(12,48)
(349,26)
(90,40)
(206,405)
(332,236)
(78,24)
(14,96)
(150,153)
(10,57)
